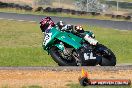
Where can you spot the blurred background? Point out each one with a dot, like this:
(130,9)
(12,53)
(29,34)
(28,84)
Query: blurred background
(106,6)
(119,9)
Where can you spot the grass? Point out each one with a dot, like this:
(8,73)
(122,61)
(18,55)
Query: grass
(30,86)
(79,86)
(100,17)
(20,44)
(128,0)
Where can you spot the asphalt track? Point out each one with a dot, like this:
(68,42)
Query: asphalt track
(121,25)
(72,68)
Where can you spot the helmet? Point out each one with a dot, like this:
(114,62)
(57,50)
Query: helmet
(45,23)
(60,24)
(79,29)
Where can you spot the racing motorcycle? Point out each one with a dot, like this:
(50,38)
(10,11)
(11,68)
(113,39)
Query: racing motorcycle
(68,49)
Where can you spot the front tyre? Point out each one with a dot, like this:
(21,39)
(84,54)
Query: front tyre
(108,57)
(55,54)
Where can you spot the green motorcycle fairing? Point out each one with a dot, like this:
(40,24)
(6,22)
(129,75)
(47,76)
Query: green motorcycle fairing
(69,38)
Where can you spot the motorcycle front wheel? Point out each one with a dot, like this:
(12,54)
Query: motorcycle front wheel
(108,57)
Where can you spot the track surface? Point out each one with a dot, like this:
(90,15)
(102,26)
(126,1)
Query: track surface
(55,79)
(92,68)
(122,25)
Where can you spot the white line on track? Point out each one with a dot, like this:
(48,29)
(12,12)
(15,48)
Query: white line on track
(120,30)
(124,30)
(1,18)
(10,19)
(32,21)
(18,20)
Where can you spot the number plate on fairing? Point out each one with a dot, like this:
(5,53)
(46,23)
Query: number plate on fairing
(89,55)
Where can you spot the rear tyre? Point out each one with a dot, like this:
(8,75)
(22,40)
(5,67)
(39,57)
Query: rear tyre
(54,52)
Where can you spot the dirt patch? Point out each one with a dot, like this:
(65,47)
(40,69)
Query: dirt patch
(53,79)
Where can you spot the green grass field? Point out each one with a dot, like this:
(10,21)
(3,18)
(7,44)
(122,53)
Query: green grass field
(78,86)
(31,86)
(20,44)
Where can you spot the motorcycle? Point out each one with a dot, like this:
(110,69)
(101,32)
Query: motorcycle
(68,49)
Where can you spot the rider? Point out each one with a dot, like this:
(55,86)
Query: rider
(78,30)
(47,23)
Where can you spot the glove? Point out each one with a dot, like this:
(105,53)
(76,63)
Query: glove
(67,27)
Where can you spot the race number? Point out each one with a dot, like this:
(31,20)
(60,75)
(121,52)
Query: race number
(47,38)
(88,56)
